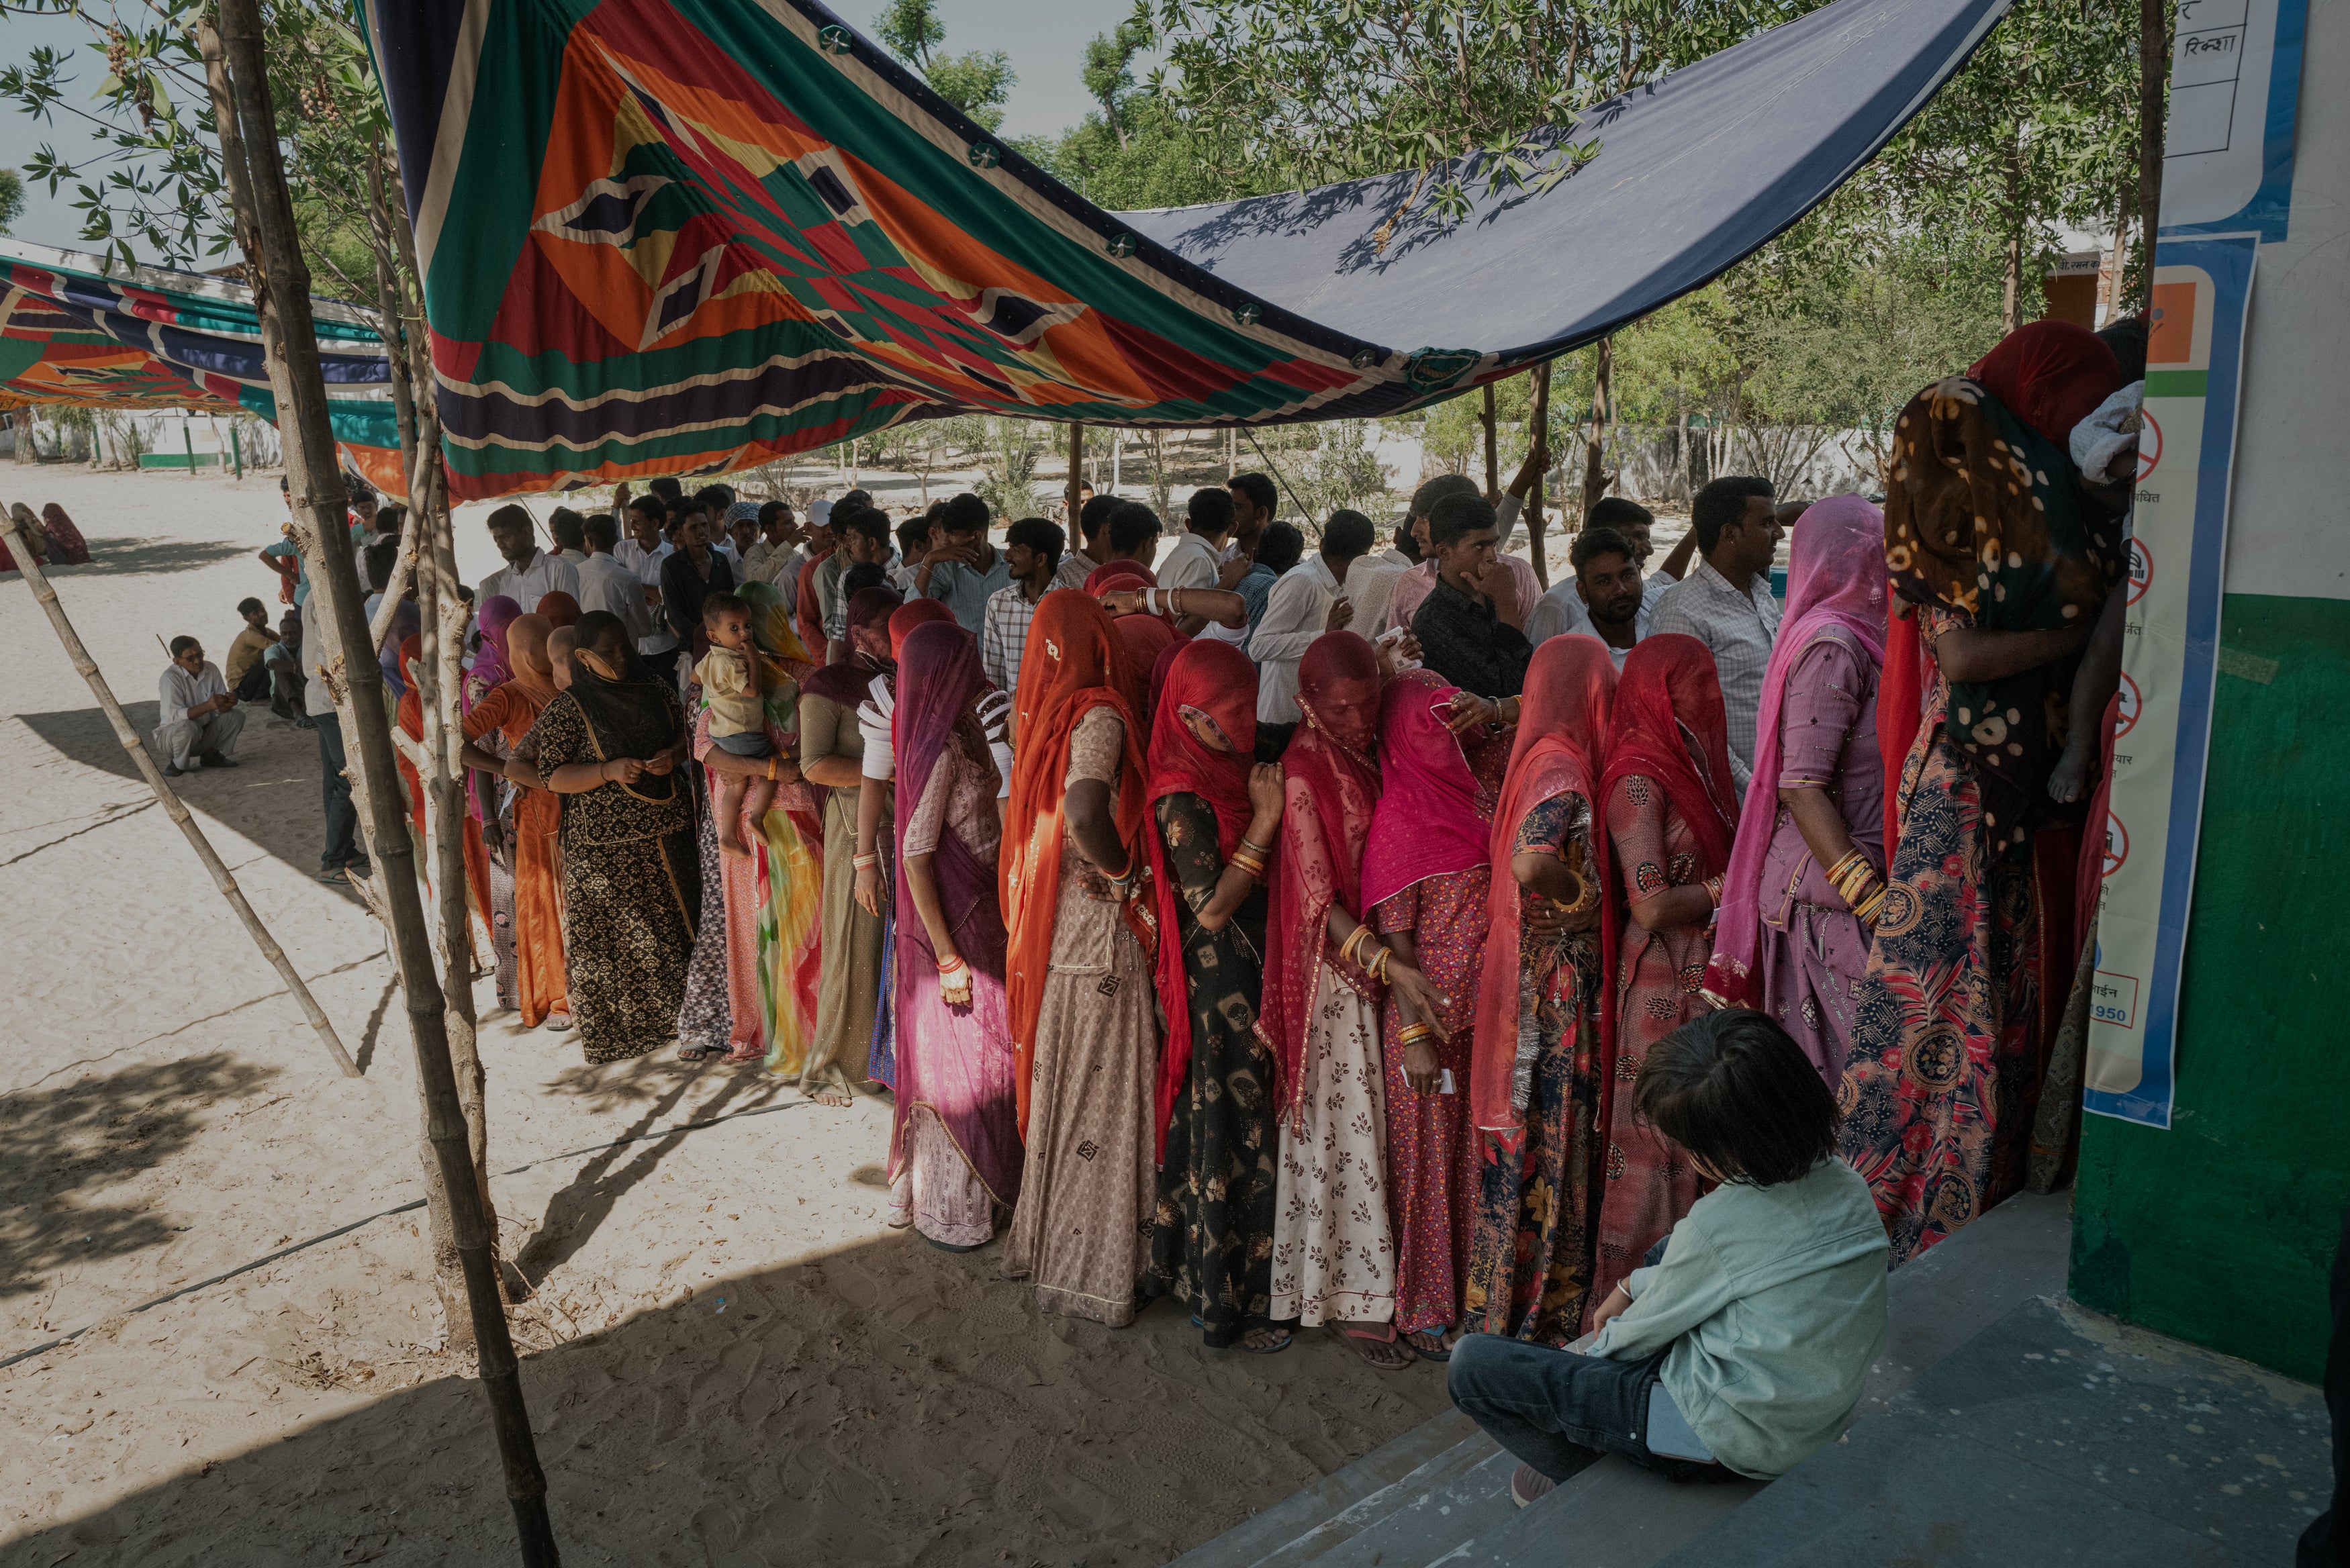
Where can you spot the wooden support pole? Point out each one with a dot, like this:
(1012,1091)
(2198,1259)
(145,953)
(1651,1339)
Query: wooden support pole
(1077,478)
(2153,70)
(1493,451)
(238,74)
(1537,430)
(173,807)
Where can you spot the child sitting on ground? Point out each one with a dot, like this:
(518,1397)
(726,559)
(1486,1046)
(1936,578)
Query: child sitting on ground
(1744,1342)
(730,674)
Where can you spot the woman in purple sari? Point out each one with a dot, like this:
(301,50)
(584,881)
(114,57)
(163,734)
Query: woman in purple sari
(955,1155)
(1801,892)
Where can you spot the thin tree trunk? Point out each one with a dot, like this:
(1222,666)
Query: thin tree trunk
(1492,453)
(2153,69)
(1595,473)
(1077,478)
(1539,429)
(246,119)
(2011,312)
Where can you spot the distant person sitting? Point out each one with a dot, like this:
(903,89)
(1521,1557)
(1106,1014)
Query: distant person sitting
(1726,603)
(248,667)
(1607,596)
(1744,1340)
(198,713)
(1469,626)
(729,676)
(962,570)
(284,658)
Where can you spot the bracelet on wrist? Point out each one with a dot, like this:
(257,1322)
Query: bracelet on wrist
(862,861)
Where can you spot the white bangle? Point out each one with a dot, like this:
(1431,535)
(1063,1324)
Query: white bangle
(1150,600)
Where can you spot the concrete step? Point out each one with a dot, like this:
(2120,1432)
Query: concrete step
(1441,1492)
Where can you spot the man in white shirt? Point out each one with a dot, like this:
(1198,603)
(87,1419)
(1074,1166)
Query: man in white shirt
(608,586)
(530,574)
(1605,599)
(1372,581)
(1303,604)
(1194,559)
(772,552)
(1726,602)
(643,553)
(199,713)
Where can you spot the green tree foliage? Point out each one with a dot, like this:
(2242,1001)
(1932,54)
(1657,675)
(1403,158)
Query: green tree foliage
(12,198)
(977,83)
(1131,151)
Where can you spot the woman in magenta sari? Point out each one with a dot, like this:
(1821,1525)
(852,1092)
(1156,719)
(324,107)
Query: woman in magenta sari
(955,1153)
(1426,872)
(1537,1084)
(1788,942)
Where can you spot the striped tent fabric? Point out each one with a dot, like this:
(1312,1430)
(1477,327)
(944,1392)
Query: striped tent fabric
(85,331)
(684,236)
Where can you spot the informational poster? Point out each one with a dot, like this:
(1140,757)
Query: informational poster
(2171,649)
(2235,89)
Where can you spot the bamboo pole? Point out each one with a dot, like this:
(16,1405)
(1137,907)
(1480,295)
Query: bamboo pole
(173,807)
(237,73)
(1076,477)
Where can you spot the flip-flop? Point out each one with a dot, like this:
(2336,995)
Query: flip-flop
(1288,1339)
(699,1053)
(1444,1352)
(1359,1341)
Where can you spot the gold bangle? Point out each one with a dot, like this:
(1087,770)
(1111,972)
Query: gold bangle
(1413,1034)
(1249,863)
(1378,969)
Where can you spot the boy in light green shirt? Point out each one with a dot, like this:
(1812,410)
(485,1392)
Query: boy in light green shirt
(1744,1342)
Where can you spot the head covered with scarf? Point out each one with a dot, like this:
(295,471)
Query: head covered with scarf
(631,712)
(969,1091)
(1561,743)
(846,678)
(1668,726)
(491,667)
(1835,589)
(1330,779)
(1112,576)
(771,626)
(1073,663)
(1428,823)
(1214,682)
(912,614)
(1985,517)
(559,608)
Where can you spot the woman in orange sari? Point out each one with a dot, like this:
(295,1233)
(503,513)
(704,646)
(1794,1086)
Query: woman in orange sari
(511,707)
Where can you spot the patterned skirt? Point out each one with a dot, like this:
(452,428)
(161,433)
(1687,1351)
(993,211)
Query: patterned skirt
(630,909)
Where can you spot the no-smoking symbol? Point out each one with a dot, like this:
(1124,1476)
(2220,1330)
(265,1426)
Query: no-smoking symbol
(2116,843)
(2149,445)
(2126,719)
(2141,568)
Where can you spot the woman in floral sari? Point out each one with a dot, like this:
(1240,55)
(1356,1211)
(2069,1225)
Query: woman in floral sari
(1670,816)
(510,709)
(1218,821)
(2001,567)
(1536,1088)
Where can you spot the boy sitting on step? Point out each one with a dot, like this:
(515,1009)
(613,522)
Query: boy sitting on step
(1743,1342)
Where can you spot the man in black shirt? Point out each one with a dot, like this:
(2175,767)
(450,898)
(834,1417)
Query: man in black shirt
(1462,636)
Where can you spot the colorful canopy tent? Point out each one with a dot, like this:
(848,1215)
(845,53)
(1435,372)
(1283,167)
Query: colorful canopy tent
(669,235)
(89,333)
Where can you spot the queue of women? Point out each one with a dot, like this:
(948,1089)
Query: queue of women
(1347,1040)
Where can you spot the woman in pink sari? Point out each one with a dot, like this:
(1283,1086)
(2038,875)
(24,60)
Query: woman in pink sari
(1426,872)
(954,1148)
(1787,942)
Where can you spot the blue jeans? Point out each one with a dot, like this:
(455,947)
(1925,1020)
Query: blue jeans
(343,846)
(1559,1411)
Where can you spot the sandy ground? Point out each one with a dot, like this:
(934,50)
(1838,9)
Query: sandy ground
(732,1360)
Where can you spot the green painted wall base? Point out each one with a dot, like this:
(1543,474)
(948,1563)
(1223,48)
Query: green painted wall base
(2222,1231)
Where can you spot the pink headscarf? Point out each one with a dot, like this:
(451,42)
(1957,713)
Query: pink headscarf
(1427,823)
(1836,580)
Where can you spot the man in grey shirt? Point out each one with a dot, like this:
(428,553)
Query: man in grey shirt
(1726,602)
(963,571)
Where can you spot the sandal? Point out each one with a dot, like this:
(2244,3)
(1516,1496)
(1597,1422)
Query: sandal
(1286,1339)
(1379,1351)
(686,1052)
(1439,1351)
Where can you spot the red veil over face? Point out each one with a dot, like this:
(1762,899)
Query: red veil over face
(1562,738)
(1428,823)
(1073,663)
(1331,786)
(909,615)
(1669,686)
(2052,375)
(1217,679)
